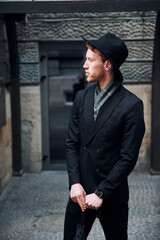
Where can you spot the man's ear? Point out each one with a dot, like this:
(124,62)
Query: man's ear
(108,65)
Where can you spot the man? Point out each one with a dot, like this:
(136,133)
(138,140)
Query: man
(106,128)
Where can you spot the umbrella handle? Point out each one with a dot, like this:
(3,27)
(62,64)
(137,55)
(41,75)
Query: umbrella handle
(82,218)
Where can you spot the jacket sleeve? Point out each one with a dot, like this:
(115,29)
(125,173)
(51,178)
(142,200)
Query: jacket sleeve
(132,136)
(73,145)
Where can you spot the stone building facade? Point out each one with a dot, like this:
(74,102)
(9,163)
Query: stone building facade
(5,115)
(136,28)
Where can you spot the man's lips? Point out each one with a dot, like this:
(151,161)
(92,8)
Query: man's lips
(87,73)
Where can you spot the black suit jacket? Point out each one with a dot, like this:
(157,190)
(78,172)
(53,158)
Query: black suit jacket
(101,154)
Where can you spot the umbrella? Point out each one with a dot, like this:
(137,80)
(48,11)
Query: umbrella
(80,233)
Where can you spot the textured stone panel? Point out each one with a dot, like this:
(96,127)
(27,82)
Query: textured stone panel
(73,30)
(28,52)
(140,50)
(29,73)
(137,72)
(92,15)
(132,72)
(4,55)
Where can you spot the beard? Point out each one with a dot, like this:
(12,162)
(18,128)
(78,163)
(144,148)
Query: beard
(91,78)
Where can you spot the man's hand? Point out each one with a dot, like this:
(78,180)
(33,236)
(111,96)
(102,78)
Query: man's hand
(78,194)
(93,201)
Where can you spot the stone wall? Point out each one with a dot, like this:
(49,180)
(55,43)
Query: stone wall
(5,128)
(31,128)
(6,147)
(136,28)
(144,92)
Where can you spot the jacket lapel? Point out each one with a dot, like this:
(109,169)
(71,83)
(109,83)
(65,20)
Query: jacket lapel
(104,113)
(88,110)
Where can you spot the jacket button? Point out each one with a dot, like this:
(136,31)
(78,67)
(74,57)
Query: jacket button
(85,148)
(98,150)
(97,170)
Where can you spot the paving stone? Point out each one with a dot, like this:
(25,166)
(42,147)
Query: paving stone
(32,207)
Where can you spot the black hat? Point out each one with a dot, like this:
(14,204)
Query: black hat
(113,48)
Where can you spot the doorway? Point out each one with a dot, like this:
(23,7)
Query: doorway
(62,76)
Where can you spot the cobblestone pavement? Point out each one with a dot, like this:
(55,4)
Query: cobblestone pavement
(32,207)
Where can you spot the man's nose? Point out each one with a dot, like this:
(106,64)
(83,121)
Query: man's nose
(85,65)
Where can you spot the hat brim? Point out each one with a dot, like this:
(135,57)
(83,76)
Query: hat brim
(118,73)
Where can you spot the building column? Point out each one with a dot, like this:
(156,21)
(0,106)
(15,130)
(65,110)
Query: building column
(155,152)
(15,94)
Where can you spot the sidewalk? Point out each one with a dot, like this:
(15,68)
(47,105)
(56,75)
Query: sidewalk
(32,207)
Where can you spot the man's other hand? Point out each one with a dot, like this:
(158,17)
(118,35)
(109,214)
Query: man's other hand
(93,201)
(78,194)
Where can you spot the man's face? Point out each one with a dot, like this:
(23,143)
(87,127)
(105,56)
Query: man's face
(94,67)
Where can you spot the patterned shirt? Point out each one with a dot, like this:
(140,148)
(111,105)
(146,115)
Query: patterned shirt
(101,96)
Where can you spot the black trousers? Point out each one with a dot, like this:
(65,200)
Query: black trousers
(113,219)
